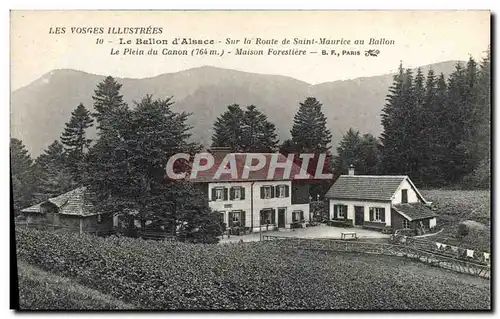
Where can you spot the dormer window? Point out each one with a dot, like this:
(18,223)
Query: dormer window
(404,196)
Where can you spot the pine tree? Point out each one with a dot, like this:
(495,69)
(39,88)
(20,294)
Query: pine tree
(52,173)
(309,131)
(361,151)
(21,174)
(456,166)
(429,169)
(130,176)
(109,105)
(75,141)
(259,135)
(288,147)
(479,140)
(245,131)
(228,130)
(416,145)
(399,122)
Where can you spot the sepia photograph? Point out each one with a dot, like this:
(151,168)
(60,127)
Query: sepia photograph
(250,160)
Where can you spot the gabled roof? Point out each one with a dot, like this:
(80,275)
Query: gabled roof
(74,202)
(365,187)
(240,159)
(414,211)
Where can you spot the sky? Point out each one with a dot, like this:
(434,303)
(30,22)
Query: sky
(420,38)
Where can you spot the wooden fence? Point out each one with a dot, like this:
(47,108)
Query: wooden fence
(331,245)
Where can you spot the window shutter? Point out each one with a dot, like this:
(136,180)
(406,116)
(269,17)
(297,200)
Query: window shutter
(225,193)
(262,192)
(213,193)
(301,215)
(287,191)
(272,192)
(382,215)
(335,211)
(242,218)
(276,190)
(231,193)
(371,213)
(230,221)
(242,192)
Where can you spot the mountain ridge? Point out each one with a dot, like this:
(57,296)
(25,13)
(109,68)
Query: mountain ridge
(40,109)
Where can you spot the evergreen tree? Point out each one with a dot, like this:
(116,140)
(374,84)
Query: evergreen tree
(228,130)
(109,105)
(130,176)
(431,151)
(311,135)
(456,166)
(288,147)
(245,131)
(52,173)
(258,134)
(75,140)
(309,131)
(479,141)
(399,126)
(361,151)
(21,174)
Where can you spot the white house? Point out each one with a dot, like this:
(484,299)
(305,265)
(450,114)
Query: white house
(256,203)
(377,201)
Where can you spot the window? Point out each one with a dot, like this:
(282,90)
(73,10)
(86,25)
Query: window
(267,217)
(236,217)
(237,193)
(267,191)
(340,211)
(99,218)
(219,194)
(377,214)
(404,196)
(406,224)
(281,191)
(221,216)
(297,216)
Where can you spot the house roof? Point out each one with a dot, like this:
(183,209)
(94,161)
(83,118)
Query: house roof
(240,160)
(74,202)
(365,187)
(414,211)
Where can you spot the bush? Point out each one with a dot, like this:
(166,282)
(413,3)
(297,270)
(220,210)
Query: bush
(340,223)
(462,231)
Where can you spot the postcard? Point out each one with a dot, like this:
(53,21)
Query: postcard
(251,160)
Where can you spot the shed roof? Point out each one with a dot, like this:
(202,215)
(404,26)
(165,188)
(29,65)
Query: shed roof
(74,202)
(414,211)
(365,187)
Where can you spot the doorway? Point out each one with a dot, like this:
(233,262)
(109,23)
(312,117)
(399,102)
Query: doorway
(281,217)
(359,215)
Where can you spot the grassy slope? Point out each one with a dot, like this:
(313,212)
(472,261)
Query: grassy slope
(249,275)
(455,206)
(42,290)
(461,204)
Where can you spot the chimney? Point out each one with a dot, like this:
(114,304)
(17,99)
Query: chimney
(351,169)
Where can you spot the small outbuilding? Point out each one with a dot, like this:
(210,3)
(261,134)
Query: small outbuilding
(71,211)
